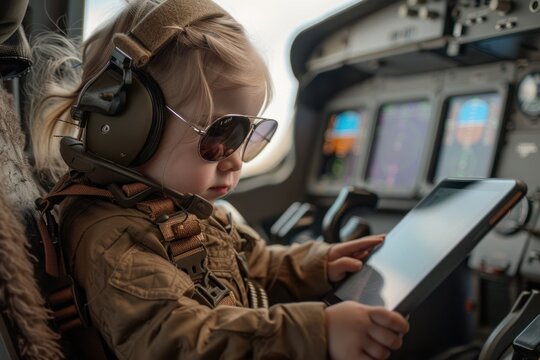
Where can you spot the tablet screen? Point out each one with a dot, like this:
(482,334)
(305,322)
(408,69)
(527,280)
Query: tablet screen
(454,213)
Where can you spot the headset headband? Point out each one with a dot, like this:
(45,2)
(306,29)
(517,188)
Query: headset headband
(154,30)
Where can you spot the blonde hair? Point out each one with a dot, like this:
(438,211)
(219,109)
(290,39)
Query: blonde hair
(210,54)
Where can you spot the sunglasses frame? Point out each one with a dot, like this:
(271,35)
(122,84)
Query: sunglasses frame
(254,122)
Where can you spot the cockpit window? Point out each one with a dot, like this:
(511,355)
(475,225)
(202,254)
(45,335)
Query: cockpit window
(96,12)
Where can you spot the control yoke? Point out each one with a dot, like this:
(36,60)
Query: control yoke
(350,198)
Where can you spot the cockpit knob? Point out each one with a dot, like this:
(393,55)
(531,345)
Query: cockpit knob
(425,13)
(405,11)
(502,6)
(350,199)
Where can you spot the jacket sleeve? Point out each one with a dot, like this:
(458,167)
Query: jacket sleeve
(141,304)
(299,268)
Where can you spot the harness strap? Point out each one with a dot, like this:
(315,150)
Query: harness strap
(184,242)
(134,189)
(157,207)
(257,296)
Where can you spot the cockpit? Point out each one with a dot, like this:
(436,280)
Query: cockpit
(393,97)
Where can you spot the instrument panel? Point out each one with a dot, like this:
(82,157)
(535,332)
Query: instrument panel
(398,136)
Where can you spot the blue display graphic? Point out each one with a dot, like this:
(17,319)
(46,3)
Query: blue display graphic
(468,144)
(343,137)
(474,111)
(398,146)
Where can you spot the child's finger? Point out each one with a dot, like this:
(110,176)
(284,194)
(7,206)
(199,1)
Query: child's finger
(386,337)
(350,247)
(390,319)
(360,254)
(337,269)
(376,351)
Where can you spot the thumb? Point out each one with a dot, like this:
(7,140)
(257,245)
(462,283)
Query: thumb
(337,269)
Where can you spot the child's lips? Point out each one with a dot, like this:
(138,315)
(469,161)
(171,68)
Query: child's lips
(220,189)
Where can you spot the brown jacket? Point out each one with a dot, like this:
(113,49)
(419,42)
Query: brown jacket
(141,303)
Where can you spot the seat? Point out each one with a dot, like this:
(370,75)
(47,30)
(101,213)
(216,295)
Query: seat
(24,324)
(24,327)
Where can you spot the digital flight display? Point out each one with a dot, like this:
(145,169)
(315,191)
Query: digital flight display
(399,143)
(344,135)
(469,137)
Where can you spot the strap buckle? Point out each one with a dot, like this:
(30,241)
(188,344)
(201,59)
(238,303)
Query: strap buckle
(211,291)
(191,262)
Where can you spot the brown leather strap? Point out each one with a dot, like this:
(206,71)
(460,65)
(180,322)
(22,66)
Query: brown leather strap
(66,305)
(184,243)
(78,190)
(228,300)
(133,189)
(51,260)
(156,207)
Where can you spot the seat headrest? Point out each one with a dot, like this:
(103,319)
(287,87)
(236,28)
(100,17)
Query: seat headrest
(15,56)
(14,48)
(11,15)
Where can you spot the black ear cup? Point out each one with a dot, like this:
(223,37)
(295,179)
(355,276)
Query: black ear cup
(131,136)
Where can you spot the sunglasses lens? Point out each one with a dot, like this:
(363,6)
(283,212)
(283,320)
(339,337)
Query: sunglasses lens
(260,137)
(224,137)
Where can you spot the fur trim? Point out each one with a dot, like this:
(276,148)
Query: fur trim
(20,297)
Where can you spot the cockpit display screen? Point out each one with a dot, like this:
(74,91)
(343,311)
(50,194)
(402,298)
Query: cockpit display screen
(469,137)
(344,135)
(398,145)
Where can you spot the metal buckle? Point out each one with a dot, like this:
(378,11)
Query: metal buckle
(211,291)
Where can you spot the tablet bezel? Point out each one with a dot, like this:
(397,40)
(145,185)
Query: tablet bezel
(515,191)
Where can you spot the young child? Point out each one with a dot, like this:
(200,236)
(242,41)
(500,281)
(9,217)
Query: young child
(145,293)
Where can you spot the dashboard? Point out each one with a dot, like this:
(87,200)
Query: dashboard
(398,136)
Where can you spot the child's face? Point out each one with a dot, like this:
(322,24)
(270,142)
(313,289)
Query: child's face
(177,163)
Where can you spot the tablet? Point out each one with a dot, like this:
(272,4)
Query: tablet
(429,242)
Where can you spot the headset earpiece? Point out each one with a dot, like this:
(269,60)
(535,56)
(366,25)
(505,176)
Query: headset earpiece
(122,113)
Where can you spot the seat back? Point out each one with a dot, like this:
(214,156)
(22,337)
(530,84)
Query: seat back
(25,329)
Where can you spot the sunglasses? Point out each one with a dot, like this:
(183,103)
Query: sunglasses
(227,133)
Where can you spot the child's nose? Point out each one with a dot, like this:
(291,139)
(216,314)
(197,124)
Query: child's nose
(232,162)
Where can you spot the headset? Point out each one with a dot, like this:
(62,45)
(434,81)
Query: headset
(121,110)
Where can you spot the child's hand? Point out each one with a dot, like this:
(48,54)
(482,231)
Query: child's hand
(357,331)
(347,257)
